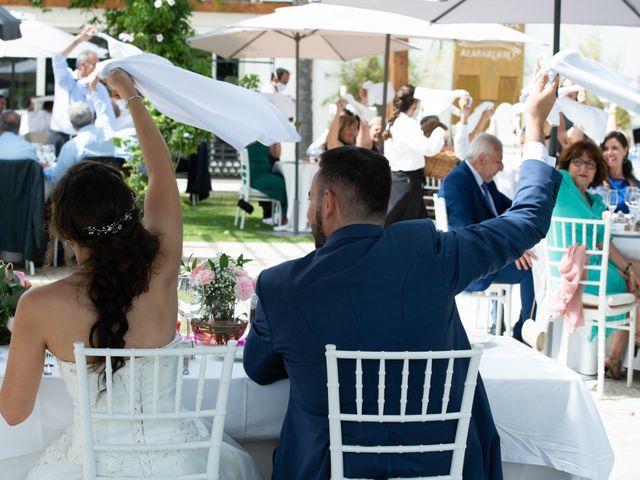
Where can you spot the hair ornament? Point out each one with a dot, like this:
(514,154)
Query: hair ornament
(114,227)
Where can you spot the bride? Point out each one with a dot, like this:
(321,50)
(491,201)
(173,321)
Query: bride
(122,295)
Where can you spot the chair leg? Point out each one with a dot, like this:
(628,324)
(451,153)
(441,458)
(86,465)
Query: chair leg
(507,313)
(563,354)
(31,266)
(499,312)
(242,218)
(235,220)
(632,342)
(601,355)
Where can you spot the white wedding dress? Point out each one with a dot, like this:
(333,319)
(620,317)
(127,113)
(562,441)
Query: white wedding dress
(63,459)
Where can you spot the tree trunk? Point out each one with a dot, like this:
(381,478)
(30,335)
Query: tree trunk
(305,77)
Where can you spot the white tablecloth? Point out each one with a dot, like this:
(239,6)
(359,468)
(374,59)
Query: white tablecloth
(306,171)
(543,413)
(628,243)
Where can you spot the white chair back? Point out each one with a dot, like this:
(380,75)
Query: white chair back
(247,193)
(245,173)
(440,205)
(431,187)
(463,415)
(565,232)
(128,413)
(595,235)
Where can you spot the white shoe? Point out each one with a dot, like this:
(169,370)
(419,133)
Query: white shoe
(268,221)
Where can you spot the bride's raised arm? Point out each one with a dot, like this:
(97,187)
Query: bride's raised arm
(162,212)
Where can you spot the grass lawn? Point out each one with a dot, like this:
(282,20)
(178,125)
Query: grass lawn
(212,221)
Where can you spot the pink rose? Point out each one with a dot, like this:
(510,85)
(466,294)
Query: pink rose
(240,272)
(202,275)
(254,283)
(243,288)
(23,279)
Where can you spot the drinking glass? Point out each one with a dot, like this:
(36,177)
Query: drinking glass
(190,298)
(632,198)
(612,200)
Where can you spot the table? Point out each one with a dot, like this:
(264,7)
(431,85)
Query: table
(628,243)
(540,409)
(306,171)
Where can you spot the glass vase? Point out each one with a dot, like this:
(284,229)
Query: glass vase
(218,325)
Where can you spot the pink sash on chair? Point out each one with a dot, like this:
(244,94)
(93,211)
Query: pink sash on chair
(567,301)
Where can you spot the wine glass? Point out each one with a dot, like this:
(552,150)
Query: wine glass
(632,198)
(612,200)
(190,299)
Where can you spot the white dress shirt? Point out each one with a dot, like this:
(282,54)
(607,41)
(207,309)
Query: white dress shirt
(480,181)
(408,146)
(68,90)
(14,147)
(461,140)
(90,141)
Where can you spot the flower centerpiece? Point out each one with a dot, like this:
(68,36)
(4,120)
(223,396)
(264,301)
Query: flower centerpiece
(224,282)
(12,285)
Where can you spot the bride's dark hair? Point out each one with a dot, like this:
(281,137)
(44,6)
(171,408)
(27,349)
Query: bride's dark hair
(92,206)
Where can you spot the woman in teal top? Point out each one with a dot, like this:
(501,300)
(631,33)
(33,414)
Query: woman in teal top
(582,166)
(262,176)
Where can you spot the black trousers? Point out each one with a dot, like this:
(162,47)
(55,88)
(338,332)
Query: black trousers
(406,201)
(58,139)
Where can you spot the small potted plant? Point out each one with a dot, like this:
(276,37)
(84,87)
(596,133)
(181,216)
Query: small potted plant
(12,285)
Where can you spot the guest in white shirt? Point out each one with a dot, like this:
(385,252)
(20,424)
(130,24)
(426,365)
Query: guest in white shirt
(71,87)
(461,135)
(12,145)
(278,83)
(405,148)
(37,119)
(90,141)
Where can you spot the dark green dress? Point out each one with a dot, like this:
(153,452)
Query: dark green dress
(262,177)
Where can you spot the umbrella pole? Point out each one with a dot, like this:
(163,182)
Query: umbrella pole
(296,203)
(385,80)
(557,10)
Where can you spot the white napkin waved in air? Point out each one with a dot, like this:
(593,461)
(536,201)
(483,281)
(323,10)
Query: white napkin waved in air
(474,118)
(606,82)
(435,101)
(591,120)
(361,110)
(375,92)
(118,49)
(236,115)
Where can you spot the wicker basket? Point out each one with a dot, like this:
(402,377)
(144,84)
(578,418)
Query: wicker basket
(440,165)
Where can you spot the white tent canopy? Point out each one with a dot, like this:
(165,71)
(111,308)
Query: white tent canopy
(584,12)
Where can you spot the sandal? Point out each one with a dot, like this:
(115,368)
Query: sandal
(612,368)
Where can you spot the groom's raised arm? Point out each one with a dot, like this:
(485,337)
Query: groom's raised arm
(473,252)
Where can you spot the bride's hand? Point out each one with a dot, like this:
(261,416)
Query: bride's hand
(121,82)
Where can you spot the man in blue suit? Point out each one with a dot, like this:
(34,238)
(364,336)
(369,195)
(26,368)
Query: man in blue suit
(471,197)
(366,288)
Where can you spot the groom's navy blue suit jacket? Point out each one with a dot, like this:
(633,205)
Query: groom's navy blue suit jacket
(394,290)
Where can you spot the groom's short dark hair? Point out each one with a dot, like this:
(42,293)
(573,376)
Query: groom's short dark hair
(361,178)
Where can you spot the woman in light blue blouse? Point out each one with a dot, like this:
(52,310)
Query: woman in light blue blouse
(615,150)
(582,166)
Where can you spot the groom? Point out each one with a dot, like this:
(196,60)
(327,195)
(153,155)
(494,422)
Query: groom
(366,288)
